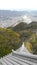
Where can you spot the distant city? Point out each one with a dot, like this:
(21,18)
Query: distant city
(8,18)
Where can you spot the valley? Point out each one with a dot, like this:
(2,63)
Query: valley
(17,27)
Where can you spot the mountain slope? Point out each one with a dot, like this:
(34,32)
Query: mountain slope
(21,26)
(24,26)
(32,25)
(8,40)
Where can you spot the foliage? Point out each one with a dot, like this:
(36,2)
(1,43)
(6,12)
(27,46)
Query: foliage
(20,26)
(25,34)
(33,41)
(8,40)
(29,47)
(31,44)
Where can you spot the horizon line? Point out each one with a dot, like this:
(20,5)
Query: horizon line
(19,10)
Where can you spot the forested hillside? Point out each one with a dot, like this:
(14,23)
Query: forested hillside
(28,34)
(12,38)
(8,40)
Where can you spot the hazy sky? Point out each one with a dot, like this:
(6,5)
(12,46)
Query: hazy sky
(18,4)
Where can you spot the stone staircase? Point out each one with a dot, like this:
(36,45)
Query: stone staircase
(19,57)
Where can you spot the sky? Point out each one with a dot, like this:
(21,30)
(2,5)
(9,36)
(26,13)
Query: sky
(18,4)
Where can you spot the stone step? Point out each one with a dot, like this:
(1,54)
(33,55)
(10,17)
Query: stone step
(25,61)
(12,61)
(16,60)
(8,63)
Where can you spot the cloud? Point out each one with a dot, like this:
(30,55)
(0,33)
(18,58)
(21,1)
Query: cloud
(18,4)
